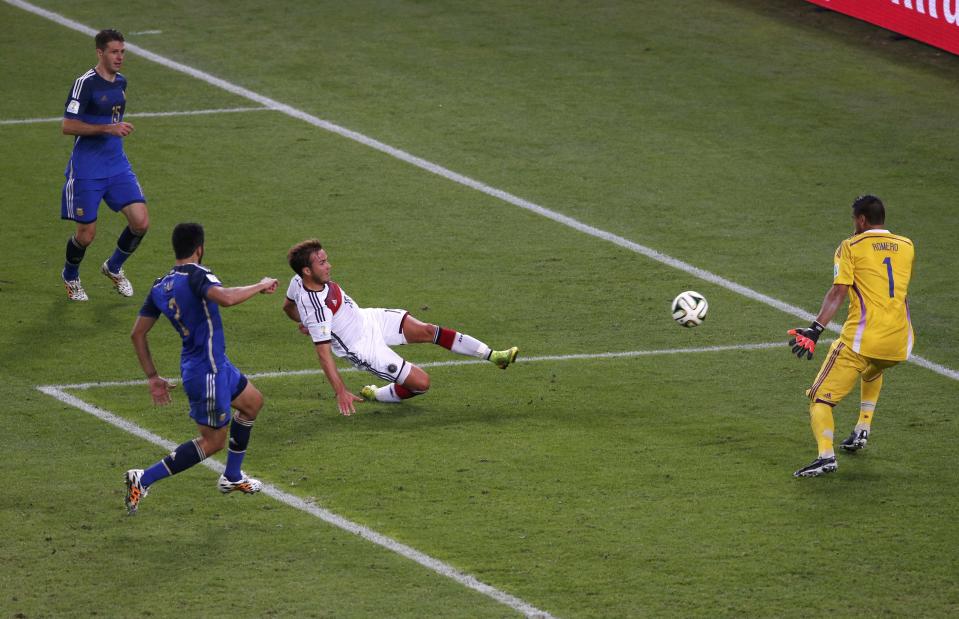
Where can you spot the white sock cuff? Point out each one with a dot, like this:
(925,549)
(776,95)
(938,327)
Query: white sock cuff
(386,394)
(470,346)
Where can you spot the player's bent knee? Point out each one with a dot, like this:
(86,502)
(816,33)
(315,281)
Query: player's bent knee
(140,227)
(418,382)
(138,218)
(212,444)
(85,235)
(249,403)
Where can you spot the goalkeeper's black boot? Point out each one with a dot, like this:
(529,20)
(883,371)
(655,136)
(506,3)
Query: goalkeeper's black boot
(855,441)
(820,467)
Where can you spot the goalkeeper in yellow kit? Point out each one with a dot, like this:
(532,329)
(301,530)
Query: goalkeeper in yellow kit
(872,268)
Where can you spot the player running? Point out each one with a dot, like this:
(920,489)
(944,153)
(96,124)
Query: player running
(872,268)
(98,168)
(363,336)
(190,296)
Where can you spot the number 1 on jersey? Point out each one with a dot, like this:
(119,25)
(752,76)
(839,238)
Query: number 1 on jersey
(892,282)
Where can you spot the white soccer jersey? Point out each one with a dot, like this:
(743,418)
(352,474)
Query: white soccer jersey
(331,316)
(361,335)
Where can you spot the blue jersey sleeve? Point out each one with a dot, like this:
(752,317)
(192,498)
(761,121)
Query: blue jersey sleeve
(149,308)
(201,280)
(79,96)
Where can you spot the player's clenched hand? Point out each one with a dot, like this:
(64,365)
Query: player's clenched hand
(120,129)
(345,400)
(160,390)
(303,328)
(804,340)
(269,285)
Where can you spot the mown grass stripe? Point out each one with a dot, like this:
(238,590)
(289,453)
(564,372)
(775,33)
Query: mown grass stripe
(439,170)
(434,364)
(226,110)
(444,569)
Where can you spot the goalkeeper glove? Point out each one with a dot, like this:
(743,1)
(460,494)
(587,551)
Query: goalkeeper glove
(804,340)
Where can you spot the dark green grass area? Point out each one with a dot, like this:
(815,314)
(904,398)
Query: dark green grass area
(553,294)
(598,504)
(716,133)
(732,135)
(70,549)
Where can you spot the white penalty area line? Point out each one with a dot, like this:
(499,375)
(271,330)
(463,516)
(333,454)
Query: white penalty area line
(466,181)
(225,110)
(325,515)
(59,392)
(435,364)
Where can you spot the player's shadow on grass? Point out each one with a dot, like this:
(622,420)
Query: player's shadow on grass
(401,417)
(73,341)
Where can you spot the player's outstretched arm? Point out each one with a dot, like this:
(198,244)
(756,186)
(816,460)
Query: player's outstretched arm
(225,297)
(344,399)
(804,340)
(159,387)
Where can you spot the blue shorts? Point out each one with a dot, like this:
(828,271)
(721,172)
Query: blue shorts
(80,198)
(211,394)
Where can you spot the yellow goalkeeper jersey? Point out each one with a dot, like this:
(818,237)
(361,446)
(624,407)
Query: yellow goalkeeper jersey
(877,267)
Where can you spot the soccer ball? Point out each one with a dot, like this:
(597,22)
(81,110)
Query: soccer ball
(689,308)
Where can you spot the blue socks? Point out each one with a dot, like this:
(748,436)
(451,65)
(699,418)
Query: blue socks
(189,454)
(126,245)
(239,438)
(179,460)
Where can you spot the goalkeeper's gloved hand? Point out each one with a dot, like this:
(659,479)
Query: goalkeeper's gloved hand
(804,340)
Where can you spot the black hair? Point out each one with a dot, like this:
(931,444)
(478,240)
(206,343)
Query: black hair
(186,239)
(871,207)
(105,36)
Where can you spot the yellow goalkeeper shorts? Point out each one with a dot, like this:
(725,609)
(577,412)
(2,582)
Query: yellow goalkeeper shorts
(841,370)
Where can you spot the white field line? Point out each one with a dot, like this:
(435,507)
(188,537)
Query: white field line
(434,364)
(327,516)
(225,110)
(59,392)
(433,168)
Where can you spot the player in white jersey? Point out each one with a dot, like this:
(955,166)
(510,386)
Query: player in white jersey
(363,336)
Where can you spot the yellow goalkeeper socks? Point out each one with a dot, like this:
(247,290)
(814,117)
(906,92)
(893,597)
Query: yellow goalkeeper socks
(823,428)
(869,395)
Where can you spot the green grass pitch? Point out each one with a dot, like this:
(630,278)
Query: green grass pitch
(731,135)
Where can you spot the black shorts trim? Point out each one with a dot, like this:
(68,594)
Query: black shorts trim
(240,386)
